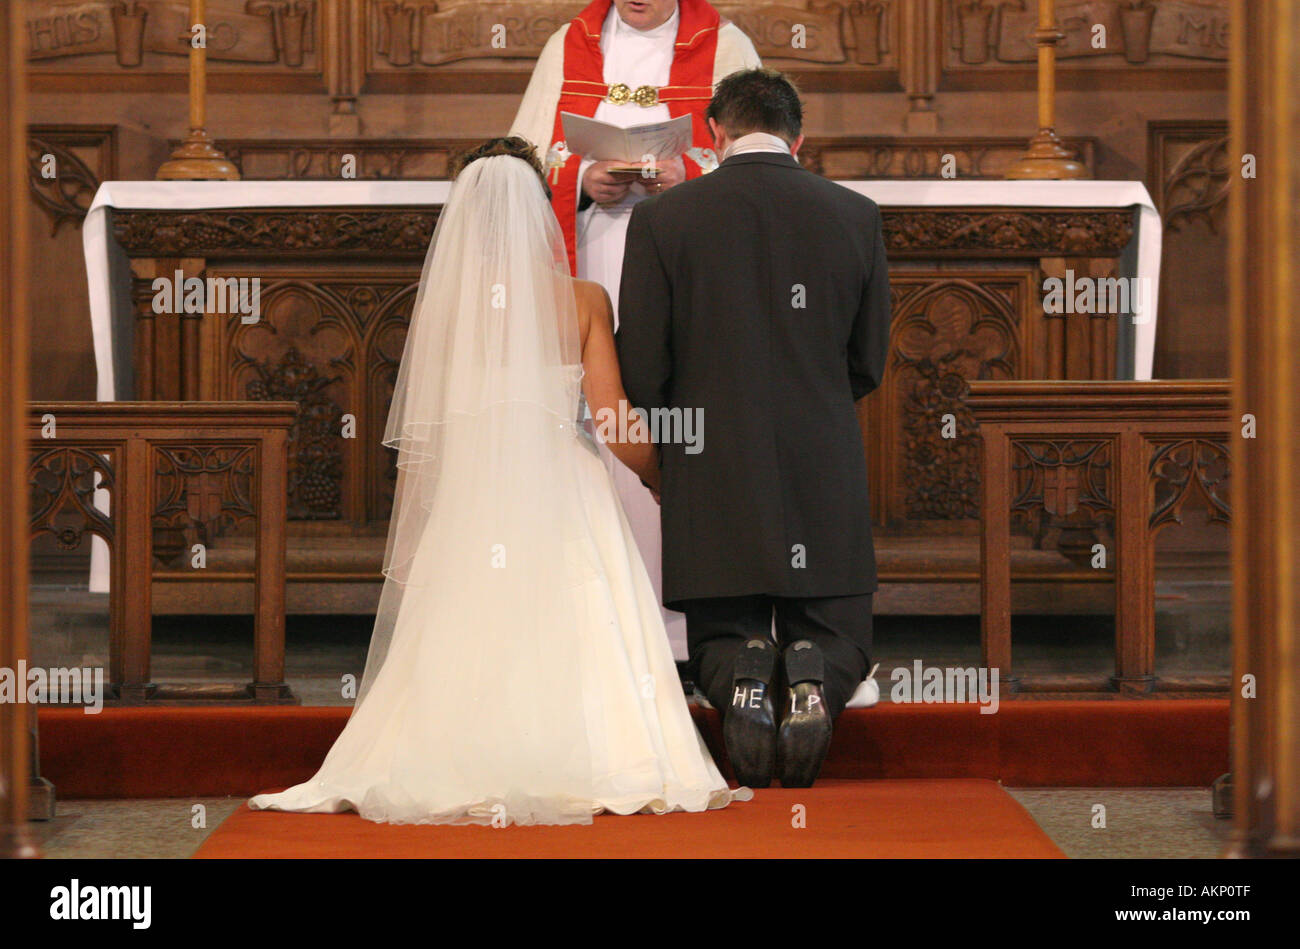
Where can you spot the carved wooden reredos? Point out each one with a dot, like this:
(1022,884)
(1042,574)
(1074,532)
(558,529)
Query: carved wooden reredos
(347,47)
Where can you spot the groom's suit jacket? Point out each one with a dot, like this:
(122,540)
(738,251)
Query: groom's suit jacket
(758,295)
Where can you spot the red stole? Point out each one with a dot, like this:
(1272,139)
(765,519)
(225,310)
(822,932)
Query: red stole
(690,86)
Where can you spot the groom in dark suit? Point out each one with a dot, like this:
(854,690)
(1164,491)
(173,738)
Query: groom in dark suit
(758,296)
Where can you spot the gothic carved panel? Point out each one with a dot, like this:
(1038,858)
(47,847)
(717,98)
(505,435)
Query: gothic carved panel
(62,482)
(388,317)
(65,165)
(947,330)
(1065,493)
(200,491)
(1184,467)
(1190,172)
(332,345)
(315,447)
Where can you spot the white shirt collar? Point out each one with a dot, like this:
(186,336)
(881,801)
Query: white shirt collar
(756,142)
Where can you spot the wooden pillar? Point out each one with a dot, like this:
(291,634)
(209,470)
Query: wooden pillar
(922,38)
(345,31)
(268,630)
(995,555)
(15,838)
(1263,263)
(135,542)
(1135,588)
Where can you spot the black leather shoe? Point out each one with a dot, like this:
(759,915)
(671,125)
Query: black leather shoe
(749,722)
(805,733)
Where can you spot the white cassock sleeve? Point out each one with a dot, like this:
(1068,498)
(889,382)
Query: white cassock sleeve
(535,119)
(735,51)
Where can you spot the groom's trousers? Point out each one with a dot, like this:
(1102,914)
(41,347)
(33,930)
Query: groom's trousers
(717,628)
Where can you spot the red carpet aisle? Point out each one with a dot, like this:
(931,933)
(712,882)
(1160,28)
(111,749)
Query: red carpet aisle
(901,818)
(180,752)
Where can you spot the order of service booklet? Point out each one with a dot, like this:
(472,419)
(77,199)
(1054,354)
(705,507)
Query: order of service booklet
(601,141)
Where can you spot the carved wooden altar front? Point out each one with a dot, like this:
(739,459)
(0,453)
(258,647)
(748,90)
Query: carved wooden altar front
(338,285)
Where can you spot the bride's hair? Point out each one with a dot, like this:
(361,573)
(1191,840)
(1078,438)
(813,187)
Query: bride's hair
(513,146)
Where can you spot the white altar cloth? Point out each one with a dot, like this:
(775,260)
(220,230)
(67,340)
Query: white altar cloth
(196,195)
(204,195)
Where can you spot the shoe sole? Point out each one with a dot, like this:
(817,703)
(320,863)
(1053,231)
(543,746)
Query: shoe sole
(750,733)
(804,739)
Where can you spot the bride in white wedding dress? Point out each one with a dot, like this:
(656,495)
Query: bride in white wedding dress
(519,671)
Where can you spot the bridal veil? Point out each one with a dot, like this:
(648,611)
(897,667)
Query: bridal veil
(486,537)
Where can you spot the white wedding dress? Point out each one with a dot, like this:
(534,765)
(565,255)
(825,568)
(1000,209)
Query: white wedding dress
(519,671)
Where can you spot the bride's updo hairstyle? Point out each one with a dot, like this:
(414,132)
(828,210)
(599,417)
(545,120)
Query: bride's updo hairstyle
(513,146)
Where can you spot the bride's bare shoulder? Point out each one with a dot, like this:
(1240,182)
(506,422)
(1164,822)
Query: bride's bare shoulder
(591,296)
(594,308)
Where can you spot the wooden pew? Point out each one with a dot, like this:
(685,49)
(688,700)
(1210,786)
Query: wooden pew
(190,468)
(1100,459)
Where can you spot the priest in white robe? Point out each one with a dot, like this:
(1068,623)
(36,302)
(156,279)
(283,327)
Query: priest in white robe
(627,62)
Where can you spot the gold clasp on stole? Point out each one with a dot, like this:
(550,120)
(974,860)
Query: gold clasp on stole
(620,93)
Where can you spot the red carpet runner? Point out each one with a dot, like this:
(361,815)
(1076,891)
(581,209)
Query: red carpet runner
(903,818)
(185,752)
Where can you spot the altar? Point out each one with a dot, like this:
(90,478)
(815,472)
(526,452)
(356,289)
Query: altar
(337,265)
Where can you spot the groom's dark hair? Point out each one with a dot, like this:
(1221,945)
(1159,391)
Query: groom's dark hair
(757,100)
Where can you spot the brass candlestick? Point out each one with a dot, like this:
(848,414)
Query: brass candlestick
(197,157)
(1047,157)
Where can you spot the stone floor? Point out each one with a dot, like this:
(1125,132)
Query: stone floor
(1139,822)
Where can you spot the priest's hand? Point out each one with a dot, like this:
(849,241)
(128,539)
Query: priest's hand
(604,187)
(664,175)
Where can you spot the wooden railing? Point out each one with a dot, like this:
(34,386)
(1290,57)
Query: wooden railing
(185,470)
(1109,464)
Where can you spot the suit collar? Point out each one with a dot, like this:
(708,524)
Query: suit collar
(764,158)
